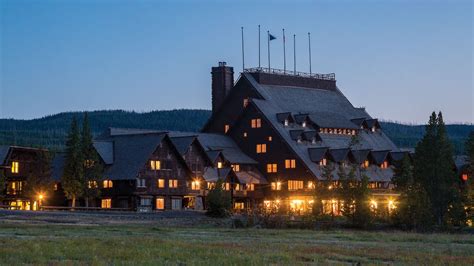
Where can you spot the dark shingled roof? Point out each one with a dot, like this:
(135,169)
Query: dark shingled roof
(3,153)
(360,156)
(296,134)
(317,154)
(281,117)
(251,177)
(212,174)
(338,155)
(183,143)
(299,118)
(105,149)
(310,135)
(358,121)
(372,122)
(397,155)
(213,155)
(379,156)
(57,165)
(331,120)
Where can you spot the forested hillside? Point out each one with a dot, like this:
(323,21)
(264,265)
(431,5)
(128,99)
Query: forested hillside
(51,131)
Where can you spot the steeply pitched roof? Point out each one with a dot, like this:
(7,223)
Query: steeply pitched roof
(251,177)
(183,143)
(360,156)
(317,154)
(339,155)
(212,174)
(105,149)
(3,153)
(379,156)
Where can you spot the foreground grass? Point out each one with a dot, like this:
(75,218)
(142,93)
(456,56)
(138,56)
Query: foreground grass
(148,244)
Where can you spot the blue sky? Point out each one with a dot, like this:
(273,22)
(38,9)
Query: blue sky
(399,59)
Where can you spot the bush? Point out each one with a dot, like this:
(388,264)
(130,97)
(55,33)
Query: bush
(219,203)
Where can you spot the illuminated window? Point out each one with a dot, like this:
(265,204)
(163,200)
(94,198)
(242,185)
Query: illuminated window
(160,203)
(237,187)
(239,205)
(295,184)
(55,187)
(373,129)
(272,168)
(108,184)
(15,167)
(290,163)
(323,162)
(106,203)
(311,185)
(141,182)
(250,187)
(226,186)
(464,177)
(219,165)
(256,123)
(92,184)
(88,163)
(365,164)
(246,102)
(161,183)
(211,185)
(173,183)
(245,134)
(236,167)
(384,165)
(270,138)
(276,185)
(261,148)
(226,128)
(286,122)
(303,124)
(196,185)
(155,165)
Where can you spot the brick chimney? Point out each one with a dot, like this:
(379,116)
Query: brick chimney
(222,83)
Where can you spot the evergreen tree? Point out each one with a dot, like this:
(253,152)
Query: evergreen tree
(92,166)
(362,214)
(72,180)
(321,189)
(469,185)
(39,182)
(347,192)
(219,202)
(2,182)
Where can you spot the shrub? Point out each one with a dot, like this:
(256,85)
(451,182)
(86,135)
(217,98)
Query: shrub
(218,201)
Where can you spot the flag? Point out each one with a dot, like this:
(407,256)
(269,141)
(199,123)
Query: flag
(271,37)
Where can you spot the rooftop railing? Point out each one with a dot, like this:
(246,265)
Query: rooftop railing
(330,76)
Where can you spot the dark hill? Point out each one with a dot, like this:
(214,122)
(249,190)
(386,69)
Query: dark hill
(51,131)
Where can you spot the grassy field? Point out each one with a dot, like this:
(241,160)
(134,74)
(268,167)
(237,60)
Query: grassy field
(23,243)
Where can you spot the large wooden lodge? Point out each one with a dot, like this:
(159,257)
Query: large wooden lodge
(270,135)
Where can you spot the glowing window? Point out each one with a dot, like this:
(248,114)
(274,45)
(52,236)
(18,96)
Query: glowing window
(290,163)
(295,184)
(246,102)
(108,184)
(173,183)
(286,122)
(226,186)
(196,185)
(270,138)
(256,123)
(365,164)
(106,203)
(250,187)
(311,185)
(239,205)
(55,186)
(261,148)
(219,165)
(161,183)
(245,134)
(226,128)
(384,165)
(276,185)
(303,124)
(15,167)
(91,184)
(464,177)
(160,203)
(155,165)
(323,162)
(272,168)
(235,167)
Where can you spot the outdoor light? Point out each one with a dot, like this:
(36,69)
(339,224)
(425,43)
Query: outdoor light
(40,196)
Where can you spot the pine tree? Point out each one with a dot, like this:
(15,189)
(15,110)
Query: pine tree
(72,180)
(39,182)
(2,182)
(218,201)
(92,167)
(347,194)
(362,213)
(321,191)
(469,187)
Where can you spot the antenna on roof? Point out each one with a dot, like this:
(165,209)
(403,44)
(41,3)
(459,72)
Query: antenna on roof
(284,53)
(243,55)
(259,46)
(309,46)
(294,53)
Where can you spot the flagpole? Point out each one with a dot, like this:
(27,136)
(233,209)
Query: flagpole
(309,45)
(268,48)
(284,53)
(243,54)
(258,46)
(294,54)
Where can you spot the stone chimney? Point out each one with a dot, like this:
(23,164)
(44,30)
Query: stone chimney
(222,83)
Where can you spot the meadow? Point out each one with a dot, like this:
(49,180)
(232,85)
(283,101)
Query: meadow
(152,244)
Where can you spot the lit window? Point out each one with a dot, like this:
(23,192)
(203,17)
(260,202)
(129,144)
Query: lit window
(373,129)
(303,124)
(246,102)
(226,128)
(160,203)
(141,182)
(290,163)
(219,165)
(55,186)
(236,167)
(365,164)
(173,183)
(464,177)
(155,165)
(256,123)
(295,184)
(272,168)
(286,122)
(245,134)
(276,185)
(196,185)
(226,186)
(311,185)
(161,183)
(250,187)
(15,167)
(261,148)
(91,184)
(323,162)
(239,205)
(88,163)
(384,165)
(211,185)
(106,203)
(270,138)
(373,205)
(108,184)
(237,187)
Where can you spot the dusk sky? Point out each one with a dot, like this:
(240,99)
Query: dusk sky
(399,59)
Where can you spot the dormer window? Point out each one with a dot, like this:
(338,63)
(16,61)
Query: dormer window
(299,140)
(15,167)
(373,129)
(365,164)
(286,122)
(246,102)
(323,162)
(219,165)
(313,140)
(226,128)
(384,165)
(303,124)
(155,165)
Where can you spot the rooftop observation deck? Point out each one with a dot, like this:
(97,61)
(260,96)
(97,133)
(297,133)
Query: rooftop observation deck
(279,77)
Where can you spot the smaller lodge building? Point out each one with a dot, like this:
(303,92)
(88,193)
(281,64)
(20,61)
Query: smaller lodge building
(271,139)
